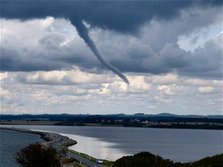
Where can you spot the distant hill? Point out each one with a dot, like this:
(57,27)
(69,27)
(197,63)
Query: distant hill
(146,159)
(163,120)
(71,116)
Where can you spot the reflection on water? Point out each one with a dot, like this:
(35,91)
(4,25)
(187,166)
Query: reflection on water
(95,147)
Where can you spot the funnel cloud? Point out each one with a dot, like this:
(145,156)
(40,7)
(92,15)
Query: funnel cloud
(84,34)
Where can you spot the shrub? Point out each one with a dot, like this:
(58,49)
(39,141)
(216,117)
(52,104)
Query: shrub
(36,155)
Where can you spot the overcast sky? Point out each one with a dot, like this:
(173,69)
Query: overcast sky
(170,52)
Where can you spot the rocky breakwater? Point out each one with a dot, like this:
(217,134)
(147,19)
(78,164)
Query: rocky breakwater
(57,141)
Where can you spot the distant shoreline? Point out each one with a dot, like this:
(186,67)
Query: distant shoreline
(161,125)
(164,120)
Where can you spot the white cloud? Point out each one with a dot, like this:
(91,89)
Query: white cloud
(74,76)
(47,92)
(3,75)
(47,22)
(4,93)
(138,83)
(206,89)
(164,79)
(162,99)
(196,82)
(107,83)
(118,87)
(202,82)
(170,89)
(104,90)
(165,89)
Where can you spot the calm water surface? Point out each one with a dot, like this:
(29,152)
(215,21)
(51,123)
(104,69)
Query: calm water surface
(111,143)
(11,142)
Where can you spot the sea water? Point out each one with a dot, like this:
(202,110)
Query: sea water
(12,142)
(111,143)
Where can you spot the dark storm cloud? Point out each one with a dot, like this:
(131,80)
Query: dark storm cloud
(118,16)
(123,16)
(9,61)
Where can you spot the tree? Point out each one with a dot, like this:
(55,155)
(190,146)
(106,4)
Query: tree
(37,155)
(145,159)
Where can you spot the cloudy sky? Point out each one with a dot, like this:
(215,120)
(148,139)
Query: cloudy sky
(170,52)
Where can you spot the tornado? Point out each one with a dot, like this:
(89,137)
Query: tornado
(84,34)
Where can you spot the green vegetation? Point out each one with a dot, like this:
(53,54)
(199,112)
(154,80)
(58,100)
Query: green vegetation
(68,160)
(36,155)
(215,161)
(106,163)
(84,155)
(62,149)
(145,159)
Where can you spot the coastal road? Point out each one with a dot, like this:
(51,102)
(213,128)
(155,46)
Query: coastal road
(58,140)
(83,160)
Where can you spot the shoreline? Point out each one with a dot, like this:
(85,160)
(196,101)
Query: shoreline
(51,139)
(118,126)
